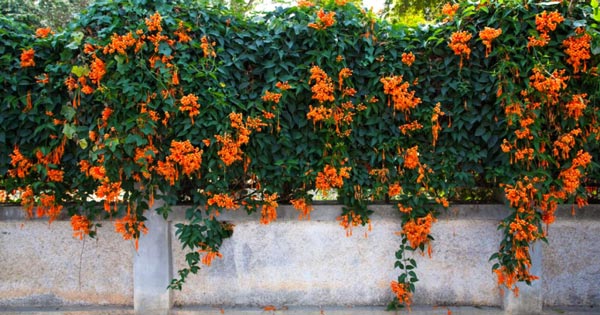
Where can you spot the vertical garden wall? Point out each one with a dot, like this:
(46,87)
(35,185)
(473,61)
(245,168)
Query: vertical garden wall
(137,101)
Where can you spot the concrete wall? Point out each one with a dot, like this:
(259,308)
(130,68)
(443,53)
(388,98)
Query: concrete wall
(292,263)
(43,265)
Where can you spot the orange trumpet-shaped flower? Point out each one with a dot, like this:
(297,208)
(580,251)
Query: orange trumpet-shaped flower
(27,57)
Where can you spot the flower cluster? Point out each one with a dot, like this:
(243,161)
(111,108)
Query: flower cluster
(459,43)
(487,35)
(578,49)
(545,23)
(330,178)
(417,231)
(324,20)
(399,95)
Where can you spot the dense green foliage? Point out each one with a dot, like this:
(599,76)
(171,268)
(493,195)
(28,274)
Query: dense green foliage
(121,105)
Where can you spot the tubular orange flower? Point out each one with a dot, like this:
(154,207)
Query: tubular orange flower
(351,220)
(153,23)
(324,20)
(577,105)
(284,86)
(412,126)
(417,230)
(21,165)
(303,207)
(404,209)
(71,83)
(323,85)
(130,228)
(402,99)
(168,171)
(402,294)
(408,59)
(207,48)
(271,97)
(435,124)
(120,43)
(55,175)
(578,49)
(190,104)
(344,73)
(28,201)
(110,192)
(459,44)
(27,57)
(411,158)
(549,86)
(268,211)
(97,70)
(449,10)
(487,35)
(523,230)
(186,155)
(43,32)
(209,256)
(330,178)
(49,207)
(42,79)
(305,4)
(394,190)
(81,226)
(223,201)
(182,34)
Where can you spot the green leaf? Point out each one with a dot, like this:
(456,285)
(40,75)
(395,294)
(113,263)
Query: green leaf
(69,130)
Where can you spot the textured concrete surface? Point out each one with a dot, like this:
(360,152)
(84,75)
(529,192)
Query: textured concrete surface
(43,265)
(292,262)
(152,267)
(572,263)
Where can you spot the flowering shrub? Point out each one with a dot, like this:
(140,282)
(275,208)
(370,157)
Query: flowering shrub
(133,103)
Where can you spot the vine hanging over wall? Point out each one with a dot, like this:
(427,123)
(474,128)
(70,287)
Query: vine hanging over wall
(137,101)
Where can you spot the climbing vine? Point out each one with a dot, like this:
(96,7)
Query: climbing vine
(136,101)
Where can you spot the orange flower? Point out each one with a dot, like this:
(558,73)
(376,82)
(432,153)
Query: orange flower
(394,190)
(402,294)
(412,126)
(449,10)
(271,97)
(223,201)
(22,166)
(268,212)
(71,83)
(55,175)
(130,228)
(97,70)
(417,230)
(459,44)
(344,73)
(411,158)
(28,201)
(323,85)
(577,105)
(578,49)
(523,230)
(119,43)
(153,23)
(186,155)
(545,23)
(182,34)
(81,226)
(549,86)
(330,178)
(351,220)
(435,124)
(49,207)
(487,35)
(42,79)
(408,59)
(402,99)
(324,20)
(88,48)
(190,104)
(168,171)
(110,192)
(209,256)
(27,58)
(284,86)
(305,4)
(43,32)
(207,48)
(303,207)
(84,167)
(404,209)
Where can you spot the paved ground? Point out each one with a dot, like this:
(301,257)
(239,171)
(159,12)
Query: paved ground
(417,310)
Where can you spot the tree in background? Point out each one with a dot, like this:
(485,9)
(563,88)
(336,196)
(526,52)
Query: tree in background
(49,13)
(411,12)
